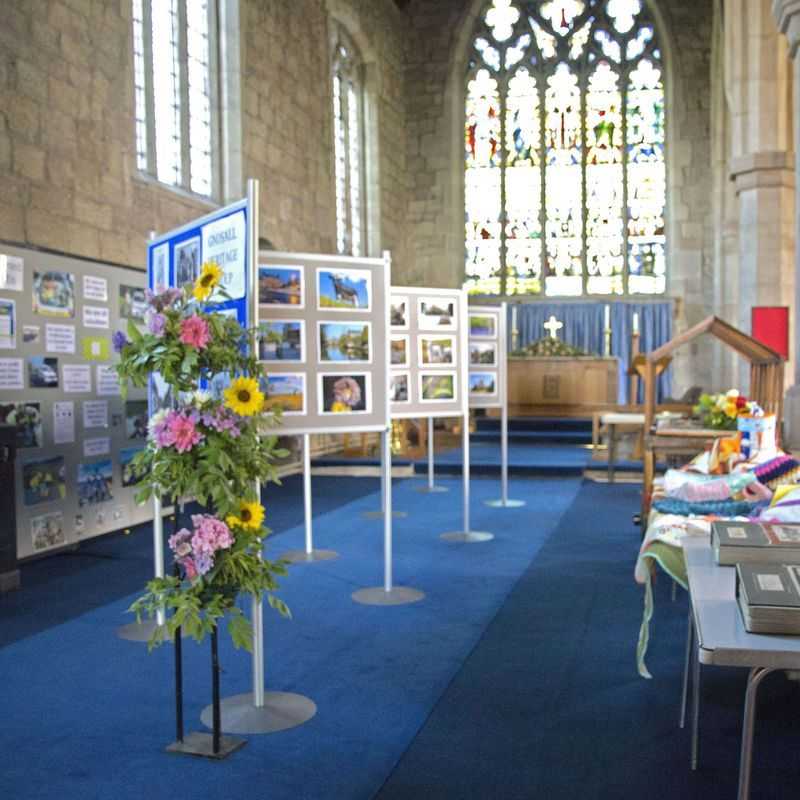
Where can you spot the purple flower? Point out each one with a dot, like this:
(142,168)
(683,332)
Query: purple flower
(156,323)
(203,563)
(119,340)
(162,298)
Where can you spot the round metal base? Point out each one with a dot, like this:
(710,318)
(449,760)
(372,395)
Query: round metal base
(142,631)
(504,503)
(467,537)
(431,489)
(301,557)
(379,514)
(396,596)
(281,711)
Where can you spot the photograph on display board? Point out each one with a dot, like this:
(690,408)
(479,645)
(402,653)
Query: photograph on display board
(31,334)
(345,341)
(281,340)
(8,324)
(187,261)
(44,480)
(96,348)
(398,351)
(43,372)
(27,419)
(398,312)
(159,393)
(94,482)
(398,387)
(483,354)
(437,387)
(285,391)
(437,351)
(482,326)
(126,455)
(483,384)
(160,264)
(344,289)
(281,286)
(136,419)
(54,293)
(132,303)
(47,531)
(436,313)
(344,394)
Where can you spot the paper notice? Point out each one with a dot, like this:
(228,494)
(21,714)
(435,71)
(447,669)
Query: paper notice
(77,378)
(96,447)
(12,271)
(59,338)
(107,381)
(95,414)
(8,324)
(95,317)
(11,373)
(95,288)
(64,422)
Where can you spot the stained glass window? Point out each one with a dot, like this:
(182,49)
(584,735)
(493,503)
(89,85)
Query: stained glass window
(348,144)
(565,185)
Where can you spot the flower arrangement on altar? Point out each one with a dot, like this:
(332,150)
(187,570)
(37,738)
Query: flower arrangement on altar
(212,449)
(722,411)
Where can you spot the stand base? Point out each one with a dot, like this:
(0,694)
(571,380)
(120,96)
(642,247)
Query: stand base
(467,537)
(143,631)
(379,514)
(396,596)
(301,557)
(504,503)
(281,711)
(431,489)
(202,745)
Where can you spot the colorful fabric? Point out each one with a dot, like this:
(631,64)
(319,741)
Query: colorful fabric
(785,506)
(780,470)
(718,508)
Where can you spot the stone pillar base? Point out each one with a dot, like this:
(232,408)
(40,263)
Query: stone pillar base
(9,581)
(791,419)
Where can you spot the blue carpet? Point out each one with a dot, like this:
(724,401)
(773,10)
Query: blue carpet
(86,715)
(549,705)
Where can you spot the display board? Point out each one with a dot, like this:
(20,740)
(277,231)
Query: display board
(488,361)
(58,386)
(323,324)
(428,352)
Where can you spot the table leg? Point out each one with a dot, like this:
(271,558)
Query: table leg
(612,449)
(757,674)
(687,662)
(695,701)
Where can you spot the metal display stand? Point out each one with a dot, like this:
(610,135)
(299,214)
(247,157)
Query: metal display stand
(431,487)
(504,501)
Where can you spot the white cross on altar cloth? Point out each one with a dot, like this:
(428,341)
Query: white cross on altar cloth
(552,325)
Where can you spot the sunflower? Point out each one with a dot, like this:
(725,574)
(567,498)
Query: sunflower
(210,277)
(243,397)
(250,517)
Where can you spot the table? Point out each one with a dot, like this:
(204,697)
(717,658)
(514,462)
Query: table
(716,635)
(611,420)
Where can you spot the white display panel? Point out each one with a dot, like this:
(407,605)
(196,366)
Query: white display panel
(487,356)
(428,352)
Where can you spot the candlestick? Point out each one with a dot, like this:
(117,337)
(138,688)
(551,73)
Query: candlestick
(636,323)
(514,331)
(607,318)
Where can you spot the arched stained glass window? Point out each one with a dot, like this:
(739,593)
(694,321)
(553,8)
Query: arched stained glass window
(565,185)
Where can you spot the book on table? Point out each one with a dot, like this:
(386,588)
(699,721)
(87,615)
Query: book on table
(737,542)
(769,597)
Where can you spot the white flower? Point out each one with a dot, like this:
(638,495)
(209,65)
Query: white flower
(200,398)
(732,394)
(157,418)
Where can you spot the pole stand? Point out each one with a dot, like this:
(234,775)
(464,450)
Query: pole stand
(379,596)
(379,514)
(431,489)
(302,557)
(141,631)
(281,711)
(467,537)
(504,503)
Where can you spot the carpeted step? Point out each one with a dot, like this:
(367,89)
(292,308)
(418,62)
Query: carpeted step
(520,424)
(534,437)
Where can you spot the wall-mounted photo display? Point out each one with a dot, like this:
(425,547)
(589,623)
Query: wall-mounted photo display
(187,261)
(399,387)
(54,293)
(344,393)
(483,384)
(436,313)
(398,312)
(398,351)
(285,391)
(160,266)
(136,419)
(344,289)
(482,354)
(348,342)
(482,326)
(437,351)
(26,417)
(44,480)
(8,324)
(95,482)
(281,286)
(43,372)
(132,302)
(437,387)
(31,334)
(126,455)
(282,340)
(47,531)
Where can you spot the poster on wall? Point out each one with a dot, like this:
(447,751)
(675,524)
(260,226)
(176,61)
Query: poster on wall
(96,348)
(8,324)
(59,338)
(11,374)
(95,414)
(77,378)
(107,381)
(26,416)
(96,317)
(54,293)
(47,531)
(63,422)
(44,480)
(95,482)
(95,288)
(225,243)
(12,273)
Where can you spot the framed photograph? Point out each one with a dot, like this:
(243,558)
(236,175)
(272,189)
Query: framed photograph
(27,419)
(281,286)
(44,480)
(286,391)
(436,313)
(399,387)
(344,289)
(437,351)
(483,384)
(344,393)
(282,340)
(398,351)
(43,372)
(126,455)
(437,387)
(398,312)
(132,303)
(54,294)
(47,531)
(159,393)
(349,342)
(483,354)
(187,261)
(483,326)
(160,266)
(136,419)
(94,482)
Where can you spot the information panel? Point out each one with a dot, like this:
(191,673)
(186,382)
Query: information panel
(428,352)
(75,434)
(322,339)
(488,361)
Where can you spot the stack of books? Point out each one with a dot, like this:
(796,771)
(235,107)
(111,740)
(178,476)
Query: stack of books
(763,542)
(769,597)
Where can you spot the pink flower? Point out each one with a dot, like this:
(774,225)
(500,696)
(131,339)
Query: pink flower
(183,432)
(210,535)
(189,568)
(194,332)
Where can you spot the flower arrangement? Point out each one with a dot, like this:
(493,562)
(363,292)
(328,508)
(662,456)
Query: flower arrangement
(213,449)
(721,411)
